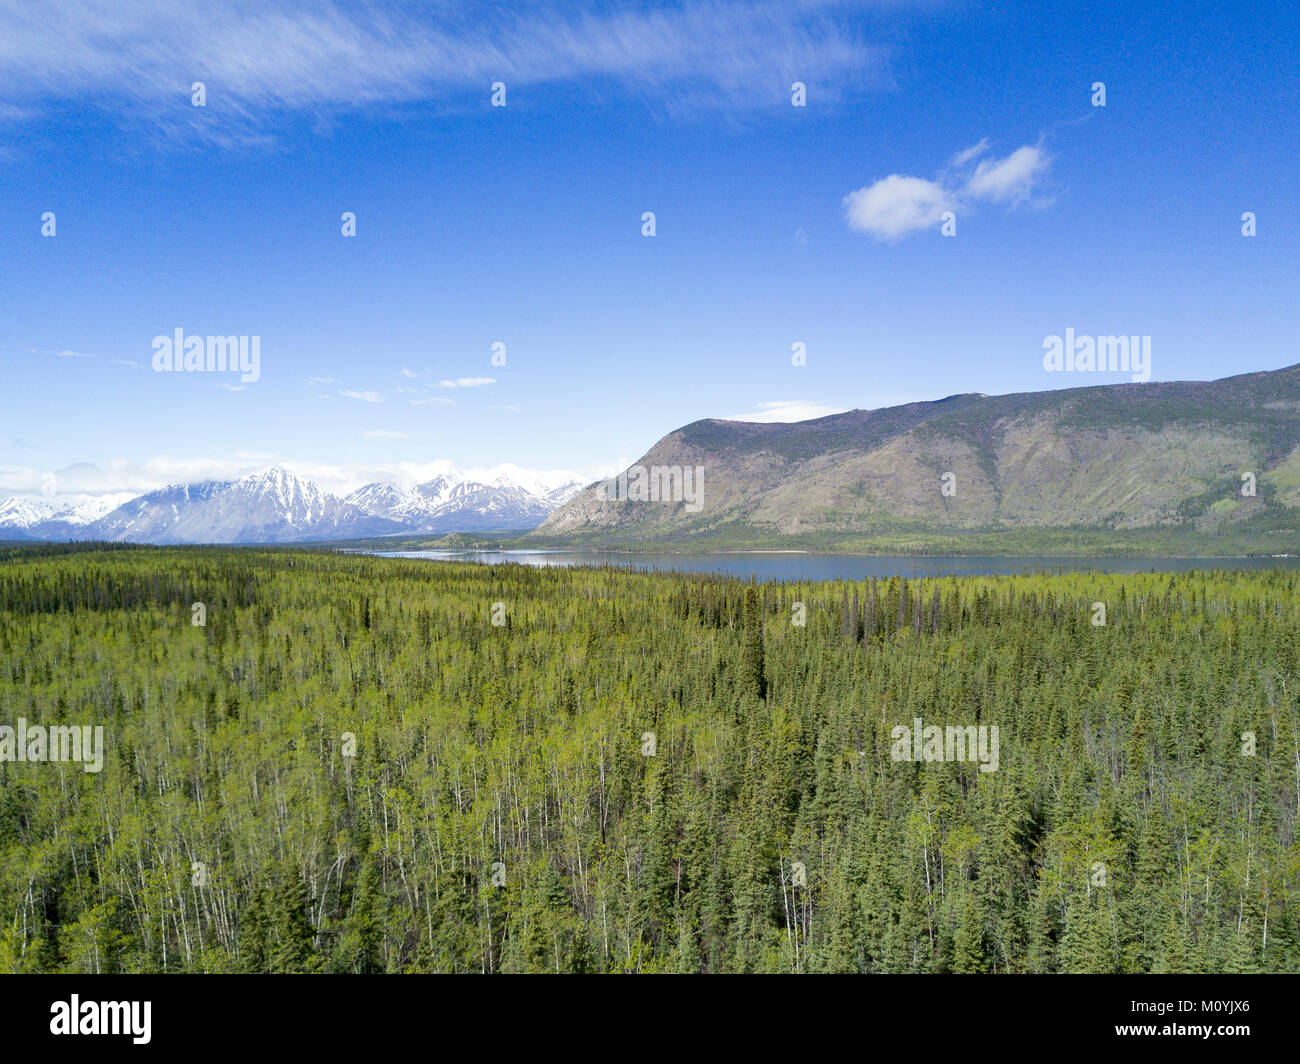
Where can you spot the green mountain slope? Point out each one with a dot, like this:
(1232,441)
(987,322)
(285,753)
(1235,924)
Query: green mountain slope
(1128,467)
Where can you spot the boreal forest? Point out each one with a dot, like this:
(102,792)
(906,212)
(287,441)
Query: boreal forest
(323,762)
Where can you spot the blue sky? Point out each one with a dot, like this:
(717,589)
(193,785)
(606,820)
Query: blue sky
(521,224)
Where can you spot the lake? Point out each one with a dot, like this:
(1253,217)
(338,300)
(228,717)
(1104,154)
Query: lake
(799,566)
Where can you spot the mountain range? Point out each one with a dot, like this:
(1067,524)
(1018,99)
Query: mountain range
(276,506)
(1214,466)
(1205,466)
(63,520)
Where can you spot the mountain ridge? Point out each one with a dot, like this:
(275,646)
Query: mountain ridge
(1145,458)
(278,506)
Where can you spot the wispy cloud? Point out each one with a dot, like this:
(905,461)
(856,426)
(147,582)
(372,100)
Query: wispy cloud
(468,382)
(967,154)
(784,410)
(86,354)
(434,400)
(896,205)
(365,397)
(313,56)
(118,476)
(386,434)
(62,353)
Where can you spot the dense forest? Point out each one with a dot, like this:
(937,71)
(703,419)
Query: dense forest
(317,762)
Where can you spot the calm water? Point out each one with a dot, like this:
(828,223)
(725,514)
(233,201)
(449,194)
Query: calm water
(793,566)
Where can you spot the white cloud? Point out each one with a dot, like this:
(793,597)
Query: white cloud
(322,380)
(434,400)
(1011,179)
(897,205)
(468,382)
(785,410)
(365,397)
(120,475)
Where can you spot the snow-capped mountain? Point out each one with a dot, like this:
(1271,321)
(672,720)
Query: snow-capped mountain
(379,498)
(92,507)
(276,506)
(22,514)
(44,519)
(454,502)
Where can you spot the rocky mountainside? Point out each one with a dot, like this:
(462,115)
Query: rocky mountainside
(1173,458)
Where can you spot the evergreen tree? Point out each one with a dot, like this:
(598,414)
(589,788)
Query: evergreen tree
(753,678)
